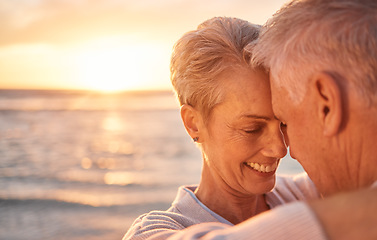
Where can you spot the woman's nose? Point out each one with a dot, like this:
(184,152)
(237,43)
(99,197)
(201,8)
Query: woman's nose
(275,146)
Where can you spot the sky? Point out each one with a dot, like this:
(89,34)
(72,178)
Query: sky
(106,45)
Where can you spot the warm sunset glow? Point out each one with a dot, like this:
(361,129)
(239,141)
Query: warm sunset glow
(104,71)
(104,45)
(116,65)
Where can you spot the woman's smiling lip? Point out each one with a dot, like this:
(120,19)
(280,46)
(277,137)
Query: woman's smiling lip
(263,167)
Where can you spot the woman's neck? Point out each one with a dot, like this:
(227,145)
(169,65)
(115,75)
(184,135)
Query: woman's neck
(232,205)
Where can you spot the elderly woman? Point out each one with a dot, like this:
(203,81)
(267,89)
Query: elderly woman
(226,109)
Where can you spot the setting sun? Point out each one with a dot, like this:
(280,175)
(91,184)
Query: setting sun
(104,45)
(109,65)
(108,70)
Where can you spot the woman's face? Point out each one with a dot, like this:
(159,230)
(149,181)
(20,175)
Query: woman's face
(242,139)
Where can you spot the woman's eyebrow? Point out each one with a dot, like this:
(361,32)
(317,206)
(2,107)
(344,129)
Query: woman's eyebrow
(256,117)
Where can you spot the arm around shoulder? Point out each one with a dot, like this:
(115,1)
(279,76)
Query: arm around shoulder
(349,216)
(292,221)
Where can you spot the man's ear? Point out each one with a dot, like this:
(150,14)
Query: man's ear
(191,120)
(329,102)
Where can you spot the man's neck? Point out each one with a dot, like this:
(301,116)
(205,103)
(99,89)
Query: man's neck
(365,140)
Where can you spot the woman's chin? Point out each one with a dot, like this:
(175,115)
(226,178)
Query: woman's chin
(257,188)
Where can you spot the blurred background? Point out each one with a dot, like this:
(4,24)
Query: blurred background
(90,133)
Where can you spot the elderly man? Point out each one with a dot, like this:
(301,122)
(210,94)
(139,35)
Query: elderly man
(322,57)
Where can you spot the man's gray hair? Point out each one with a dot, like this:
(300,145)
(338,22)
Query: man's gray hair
(337,37)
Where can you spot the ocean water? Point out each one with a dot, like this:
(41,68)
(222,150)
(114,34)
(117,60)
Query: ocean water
(84,165)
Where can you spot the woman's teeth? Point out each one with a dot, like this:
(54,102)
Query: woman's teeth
(263,167)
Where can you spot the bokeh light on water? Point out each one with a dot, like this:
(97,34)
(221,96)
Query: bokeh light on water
(70,159)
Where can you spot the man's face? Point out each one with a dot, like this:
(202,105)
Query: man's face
(302,133)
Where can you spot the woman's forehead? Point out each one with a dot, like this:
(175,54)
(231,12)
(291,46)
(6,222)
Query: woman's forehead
(242,99)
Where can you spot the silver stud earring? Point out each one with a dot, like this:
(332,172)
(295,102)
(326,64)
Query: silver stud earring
(195,139)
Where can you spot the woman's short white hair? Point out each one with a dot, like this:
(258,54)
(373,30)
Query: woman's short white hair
(199,57)
(338,37)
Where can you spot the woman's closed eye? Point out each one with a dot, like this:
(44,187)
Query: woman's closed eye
(254,129)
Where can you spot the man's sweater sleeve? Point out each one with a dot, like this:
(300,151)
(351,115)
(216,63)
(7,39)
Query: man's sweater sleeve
(294,221)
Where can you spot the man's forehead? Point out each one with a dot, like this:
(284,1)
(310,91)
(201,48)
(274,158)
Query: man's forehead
(278,96)
(275,92)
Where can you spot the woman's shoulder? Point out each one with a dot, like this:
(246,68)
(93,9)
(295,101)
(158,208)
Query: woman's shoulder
(156,223)
(184,212)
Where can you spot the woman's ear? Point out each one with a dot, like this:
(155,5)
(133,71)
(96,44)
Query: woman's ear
(191,120)
(329,103)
